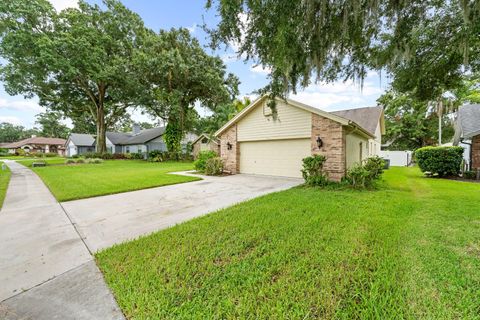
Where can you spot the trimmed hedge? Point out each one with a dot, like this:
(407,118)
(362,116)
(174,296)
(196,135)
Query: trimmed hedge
(443,161)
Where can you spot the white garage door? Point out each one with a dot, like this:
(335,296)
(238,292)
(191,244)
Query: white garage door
(275,157)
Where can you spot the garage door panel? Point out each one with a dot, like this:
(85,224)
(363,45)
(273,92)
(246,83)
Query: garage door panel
(274,157)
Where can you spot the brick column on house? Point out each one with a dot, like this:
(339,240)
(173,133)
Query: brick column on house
(332,134)
(231,158)
(476,152)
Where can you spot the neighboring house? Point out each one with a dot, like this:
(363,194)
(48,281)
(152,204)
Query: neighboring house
(79,143)
(37,145)
(257,141)
(371,119)
(137,141)
(467,134)
(205,143)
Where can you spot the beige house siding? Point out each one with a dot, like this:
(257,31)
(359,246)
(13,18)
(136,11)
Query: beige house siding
(290,123)
(332,134)
(230,157)
(357,149)
(374,145)
(274,157)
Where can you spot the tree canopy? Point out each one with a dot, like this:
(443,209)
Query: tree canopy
(326,40)
(51,125)
(182,75)
(11,133)
(77,61)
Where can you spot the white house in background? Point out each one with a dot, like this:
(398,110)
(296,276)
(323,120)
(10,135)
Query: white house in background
(137,141)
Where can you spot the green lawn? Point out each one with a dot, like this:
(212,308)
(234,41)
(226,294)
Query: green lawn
(50,161)
(408,250)
(112,176)
(4,179)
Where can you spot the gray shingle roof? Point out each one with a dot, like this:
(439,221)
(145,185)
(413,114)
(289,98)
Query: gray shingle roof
(367,117)
(129,138)
(468,120)
(82,139)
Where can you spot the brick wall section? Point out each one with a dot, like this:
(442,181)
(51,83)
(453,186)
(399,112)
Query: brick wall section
(476,152)
(231,158)
(211,146)
(334,144)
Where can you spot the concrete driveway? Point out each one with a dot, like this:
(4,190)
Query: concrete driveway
(107,220)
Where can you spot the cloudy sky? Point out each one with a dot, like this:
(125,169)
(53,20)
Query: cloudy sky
(190,14)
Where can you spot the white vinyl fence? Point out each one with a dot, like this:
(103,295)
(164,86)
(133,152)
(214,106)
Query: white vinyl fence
(398,158)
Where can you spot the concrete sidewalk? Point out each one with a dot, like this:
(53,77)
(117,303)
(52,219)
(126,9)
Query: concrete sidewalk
(41,253)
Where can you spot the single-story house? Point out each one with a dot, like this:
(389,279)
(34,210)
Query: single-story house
(204,143)
(37,145)
(260,141)
(467,134)
(137,141)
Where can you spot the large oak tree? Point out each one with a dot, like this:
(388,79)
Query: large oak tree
(77,61)
(305,40)
(182,75)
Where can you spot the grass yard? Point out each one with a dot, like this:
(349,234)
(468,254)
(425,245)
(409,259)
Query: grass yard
(408,250)
(69,182)
(49,161)
(4,179)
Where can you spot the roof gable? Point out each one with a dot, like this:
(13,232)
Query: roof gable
(368,118)
(258,102)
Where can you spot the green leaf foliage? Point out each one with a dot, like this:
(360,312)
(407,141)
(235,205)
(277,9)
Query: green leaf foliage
(441,161)
(313,172)
(202,158)
(303,41)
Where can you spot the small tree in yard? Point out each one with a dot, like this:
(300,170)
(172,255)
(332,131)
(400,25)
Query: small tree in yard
(79,61)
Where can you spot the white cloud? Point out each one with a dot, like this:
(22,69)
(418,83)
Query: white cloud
(59,5)
(192,29)
(340,95)
(11,119)
(260,69)
(20,105)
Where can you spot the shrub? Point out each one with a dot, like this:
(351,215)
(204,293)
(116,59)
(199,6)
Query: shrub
(312,171)
(364,175)
(70,161)
(375,166)
(136,156)
(50,154)
(443,161)
(214,166)
(118,156)
(96,161)
(358,176)
(80,160)
(202,158)
(470,175)
(76,156)
(20,152)
(155,154)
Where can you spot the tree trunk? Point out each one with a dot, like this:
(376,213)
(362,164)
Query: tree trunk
(101,130)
